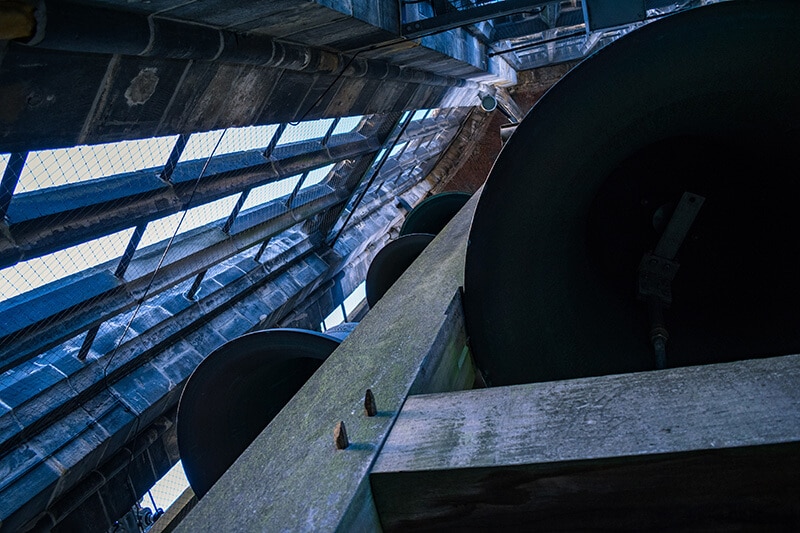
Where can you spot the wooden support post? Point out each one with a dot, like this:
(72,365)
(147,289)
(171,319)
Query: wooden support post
(707,447)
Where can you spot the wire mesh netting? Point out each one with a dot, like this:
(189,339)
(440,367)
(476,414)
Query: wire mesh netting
(210,214)
(51,168)
(220,142)
(39,271)
(304,131)
(167,489)
(334,222)
(347,124)
(269,192)
(317,176)
(46,169)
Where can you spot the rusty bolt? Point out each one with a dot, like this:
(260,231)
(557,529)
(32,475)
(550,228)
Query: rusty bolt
(340,436)
(370,408)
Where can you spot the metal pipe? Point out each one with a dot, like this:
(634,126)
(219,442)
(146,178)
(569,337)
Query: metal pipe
(226,228)
(75,27)
(328,134)
(273,142)
(191,294)
(296,189)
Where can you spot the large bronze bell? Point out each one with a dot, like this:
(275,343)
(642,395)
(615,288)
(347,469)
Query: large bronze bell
(238,389)
(703,104)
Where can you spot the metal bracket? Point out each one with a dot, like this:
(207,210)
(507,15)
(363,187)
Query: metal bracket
(658,269)
(655,278)
(679,225)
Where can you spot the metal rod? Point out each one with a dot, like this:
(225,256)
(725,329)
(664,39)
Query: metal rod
(226,228)
(16,162)
(87,343)
(537,43)
(174,157)
(297,187)
(377,168)
(658,332)
(133,243)
(660,347)
(262,249)
(191,294)
(274,141)
(328,133)
(679,225)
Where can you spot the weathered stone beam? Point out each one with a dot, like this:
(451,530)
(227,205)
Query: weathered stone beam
(292,477)
(703,447)
(143,76)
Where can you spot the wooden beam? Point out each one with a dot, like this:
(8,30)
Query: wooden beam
(709,447)
(292,477)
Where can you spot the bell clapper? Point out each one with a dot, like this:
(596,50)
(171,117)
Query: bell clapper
(658,269)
